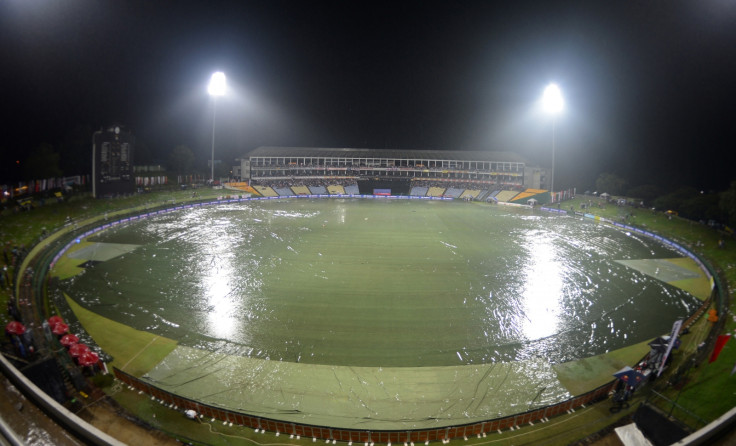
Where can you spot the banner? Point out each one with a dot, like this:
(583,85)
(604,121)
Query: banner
(673,337)
(720,343)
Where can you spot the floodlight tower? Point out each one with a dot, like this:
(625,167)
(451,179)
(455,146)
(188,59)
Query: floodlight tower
(553,104)
(216,88)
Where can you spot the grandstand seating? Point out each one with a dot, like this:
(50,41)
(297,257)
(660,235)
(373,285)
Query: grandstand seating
(506,195)
(300,190)
(453,192)
(511,196)
(435,191)
(419,191)
(283,191)
(241,186)
(352,189)
(266,191)
(483,195)
(470,194)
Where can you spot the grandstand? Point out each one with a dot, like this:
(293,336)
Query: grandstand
(469,175)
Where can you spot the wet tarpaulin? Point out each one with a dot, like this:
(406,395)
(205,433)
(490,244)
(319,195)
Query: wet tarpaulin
(358,397)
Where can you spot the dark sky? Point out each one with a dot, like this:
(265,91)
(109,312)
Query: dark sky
(650,86)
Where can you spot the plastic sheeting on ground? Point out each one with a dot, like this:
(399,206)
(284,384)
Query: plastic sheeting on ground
(630,435)
(386,398)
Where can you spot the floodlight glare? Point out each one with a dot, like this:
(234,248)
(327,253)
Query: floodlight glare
(552,99)
(215,88)
(217,84)
(553,103)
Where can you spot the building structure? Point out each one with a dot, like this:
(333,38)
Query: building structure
(112,162)
(298,163)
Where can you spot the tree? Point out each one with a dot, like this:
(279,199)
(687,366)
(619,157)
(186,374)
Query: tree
(181,159)
(222,170)
(702,207)
(677,200)
(646,192)
(727,203)
(76,151)
(611,183)
(42,162)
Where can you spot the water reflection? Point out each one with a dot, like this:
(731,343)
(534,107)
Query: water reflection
(217,278)
(382,283)
(542,294)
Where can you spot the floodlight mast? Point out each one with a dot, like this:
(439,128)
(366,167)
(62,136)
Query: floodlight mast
(216,87)
(553,104)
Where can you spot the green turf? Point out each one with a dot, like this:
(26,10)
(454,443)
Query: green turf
(68,266)
(588,373)
(135,352)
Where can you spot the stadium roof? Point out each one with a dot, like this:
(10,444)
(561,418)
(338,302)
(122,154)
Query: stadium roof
(459,155)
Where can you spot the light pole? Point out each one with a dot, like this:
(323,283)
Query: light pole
(553,104)
(215,88)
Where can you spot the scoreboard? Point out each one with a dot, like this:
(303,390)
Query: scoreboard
(112,162)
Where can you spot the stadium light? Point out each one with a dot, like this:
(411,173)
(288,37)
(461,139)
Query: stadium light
(553,104)
(215,88)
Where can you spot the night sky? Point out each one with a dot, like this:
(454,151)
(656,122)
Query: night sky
(650,86)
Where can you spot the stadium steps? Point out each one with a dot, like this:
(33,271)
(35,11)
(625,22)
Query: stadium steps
(317,190)
(336,190)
